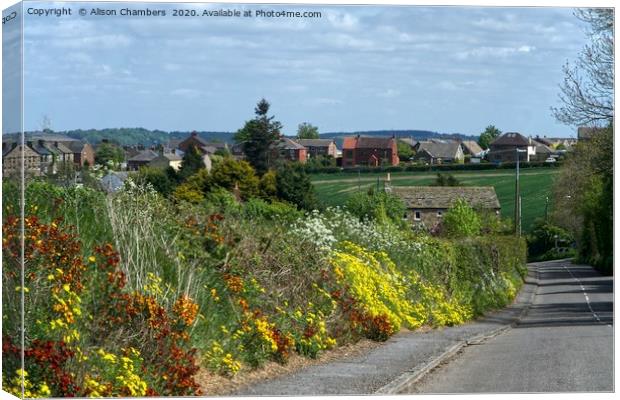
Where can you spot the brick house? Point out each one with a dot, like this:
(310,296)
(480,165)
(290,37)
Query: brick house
(203,146)
(82,153)
(426,205)
(287,149)
(319,147)
(504,148)
(369,151)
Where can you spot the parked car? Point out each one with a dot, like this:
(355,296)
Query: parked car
(550,160)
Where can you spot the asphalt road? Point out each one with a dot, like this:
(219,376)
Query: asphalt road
(564,343)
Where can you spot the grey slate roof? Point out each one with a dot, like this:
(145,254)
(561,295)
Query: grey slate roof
(511,139)
(440,150)
(173,156)
(146,155)
(369,142)
(287,144)
(443,197)
(315,142)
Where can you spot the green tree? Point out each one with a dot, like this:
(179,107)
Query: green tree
(489,134)
(267,185)
(461,220)
(257,136)
(405,152)
(158,178)
(446,180)
(307,131)
(109,152)
(583,199)
(230,173)
(192,162)
(293,185)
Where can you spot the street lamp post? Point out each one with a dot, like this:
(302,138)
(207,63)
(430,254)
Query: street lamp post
(518,196)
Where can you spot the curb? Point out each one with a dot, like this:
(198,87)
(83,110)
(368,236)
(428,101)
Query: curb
(412,376)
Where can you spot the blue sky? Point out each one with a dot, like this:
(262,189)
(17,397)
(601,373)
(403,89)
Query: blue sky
(447,69)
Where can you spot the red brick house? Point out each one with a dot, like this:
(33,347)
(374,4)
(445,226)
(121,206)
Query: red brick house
(290,150)
(369,151)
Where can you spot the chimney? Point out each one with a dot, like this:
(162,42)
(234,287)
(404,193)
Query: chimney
(194,133)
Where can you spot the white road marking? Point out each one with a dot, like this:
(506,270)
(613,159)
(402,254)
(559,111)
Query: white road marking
(586,296)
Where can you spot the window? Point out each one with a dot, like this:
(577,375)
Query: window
(417,215)
(439,214)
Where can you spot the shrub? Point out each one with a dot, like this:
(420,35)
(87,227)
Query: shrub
(380,206)
(461,220)
(230,174)
(544,238)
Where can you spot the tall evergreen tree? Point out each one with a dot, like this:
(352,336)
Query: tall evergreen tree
(192,162)
(257,136)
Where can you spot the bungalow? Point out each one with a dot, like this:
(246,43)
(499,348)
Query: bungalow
(471,148)
(369,151)
(319,147)
(426,205)
(439,152)
(504,148)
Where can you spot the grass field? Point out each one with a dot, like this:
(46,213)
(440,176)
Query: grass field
(536,184)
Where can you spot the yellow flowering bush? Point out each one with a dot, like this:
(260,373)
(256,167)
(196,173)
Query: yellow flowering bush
(375,292)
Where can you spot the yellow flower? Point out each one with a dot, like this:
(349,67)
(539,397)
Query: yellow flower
(92,259)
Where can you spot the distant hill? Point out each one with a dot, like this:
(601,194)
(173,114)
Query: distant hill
(146,137)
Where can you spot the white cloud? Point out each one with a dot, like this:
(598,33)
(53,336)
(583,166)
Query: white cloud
(493,52)
(343,21)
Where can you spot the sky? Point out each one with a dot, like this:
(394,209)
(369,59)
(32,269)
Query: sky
(445,69)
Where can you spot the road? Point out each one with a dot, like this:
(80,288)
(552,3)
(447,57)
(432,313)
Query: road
(563,343)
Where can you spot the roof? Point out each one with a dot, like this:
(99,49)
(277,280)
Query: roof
(440,150)
(472,147)
(541,147)
(444,196)
(367,142)
(315,142)
(172,156)
(511,139)
(544,140)
(49,137)
(76,146)
(287,144)
(146,155)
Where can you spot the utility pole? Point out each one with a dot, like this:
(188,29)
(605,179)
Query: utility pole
(518,196)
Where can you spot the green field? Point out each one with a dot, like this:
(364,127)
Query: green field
(536,184)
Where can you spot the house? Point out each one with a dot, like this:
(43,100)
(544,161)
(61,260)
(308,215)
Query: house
(439,152)
(288,149)
(504,148)
(159,159)
(426,205)
(141,159)
(12,154)
(369,151)
(83,153)
(543,151)
(203,146)
(319,147)
(471,148)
